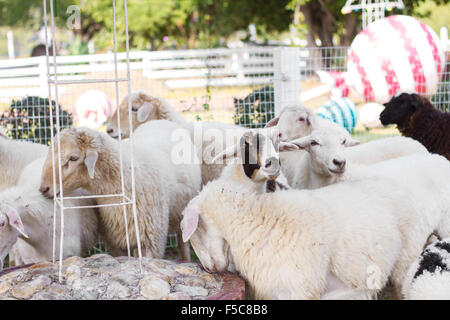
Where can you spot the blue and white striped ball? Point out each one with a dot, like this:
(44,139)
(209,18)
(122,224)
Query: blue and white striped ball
(341,111)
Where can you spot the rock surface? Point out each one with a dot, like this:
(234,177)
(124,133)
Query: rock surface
(104,277)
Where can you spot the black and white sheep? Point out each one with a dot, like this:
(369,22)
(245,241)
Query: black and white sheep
(429,276)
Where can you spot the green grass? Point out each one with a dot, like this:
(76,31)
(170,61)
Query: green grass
(364,135)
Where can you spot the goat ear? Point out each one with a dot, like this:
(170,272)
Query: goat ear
(190,222)
(144,111)
(14,219)
(302,143)
(89,161)
(272,123)
(287,146)
(350,142)
(228,153)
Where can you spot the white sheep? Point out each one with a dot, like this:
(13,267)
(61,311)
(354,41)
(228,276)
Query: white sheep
(298,121)
(327,152)
(299,244)
(144,108)
(26,222)
(14,156)
(90,160)
(256,161)
(419,175)
(255,164)
(210,138)
(428,277)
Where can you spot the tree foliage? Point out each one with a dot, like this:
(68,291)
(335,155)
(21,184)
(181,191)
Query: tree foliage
(325,21)
(199,23)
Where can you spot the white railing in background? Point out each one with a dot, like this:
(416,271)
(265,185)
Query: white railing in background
(212,67)
(178,69)
(28,76)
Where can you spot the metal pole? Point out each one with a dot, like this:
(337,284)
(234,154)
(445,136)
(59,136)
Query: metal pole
(58,130)
(52,138)
(133,186)
(120,132)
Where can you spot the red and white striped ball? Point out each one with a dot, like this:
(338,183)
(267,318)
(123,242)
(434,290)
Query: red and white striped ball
(395,53)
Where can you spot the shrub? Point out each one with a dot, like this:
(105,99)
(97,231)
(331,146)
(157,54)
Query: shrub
(255,110)
(29,119)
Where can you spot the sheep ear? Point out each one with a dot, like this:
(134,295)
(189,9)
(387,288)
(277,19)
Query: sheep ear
(228,153)
(272,123)
(302,143)
(189,223)
(144,111)
(287,146)
(350,142)
(89,161)
(14,219)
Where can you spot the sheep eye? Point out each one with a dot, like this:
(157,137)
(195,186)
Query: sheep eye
(74,158)
(343,142)
(2,224)
(314,143)
(301,119)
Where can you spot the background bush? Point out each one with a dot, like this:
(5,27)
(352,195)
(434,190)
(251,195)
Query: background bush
(255,110)
(29,119)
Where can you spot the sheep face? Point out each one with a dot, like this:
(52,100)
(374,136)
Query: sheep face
(11,227)
(78,159)
(205,238)
(258,152)
(143,110)
(400,108)
(260,160)
(326,148)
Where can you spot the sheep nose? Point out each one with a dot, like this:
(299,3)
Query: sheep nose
(339,163)
(44,190)
(109,130)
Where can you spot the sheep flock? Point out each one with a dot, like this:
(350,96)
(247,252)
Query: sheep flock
(299,209)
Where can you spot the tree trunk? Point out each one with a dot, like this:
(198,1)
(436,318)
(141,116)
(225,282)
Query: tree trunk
(351,25)
(307,10)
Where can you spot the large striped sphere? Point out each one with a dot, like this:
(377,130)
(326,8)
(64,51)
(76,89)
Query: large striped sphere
(341,111)
(395,53)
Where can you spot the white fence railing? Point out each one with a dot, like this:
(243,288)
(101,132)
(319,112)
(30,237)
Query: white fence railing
(28,76)
(179,69)
(213,67)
